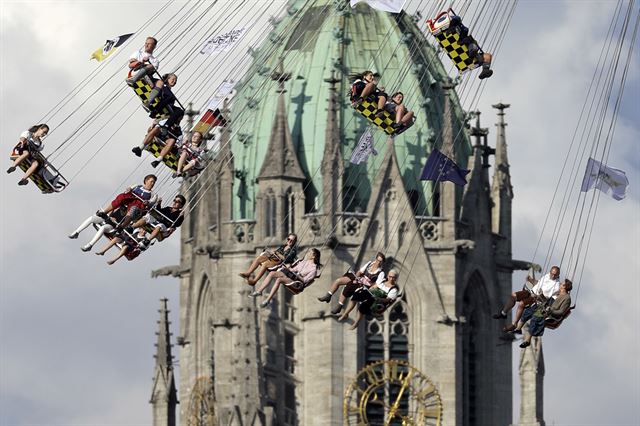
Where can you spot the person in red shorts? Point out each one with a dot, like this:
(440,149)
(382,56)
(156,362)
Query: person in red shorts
(136,199)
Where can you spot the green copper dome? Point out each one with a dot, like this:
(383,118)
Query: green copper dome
(313,43)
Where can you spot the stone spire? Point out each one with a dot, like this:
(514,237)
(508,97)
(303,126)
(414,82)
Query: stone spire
(501,189)
(281,160)
(531,384)
(332,167)
(163,394)
(448,190)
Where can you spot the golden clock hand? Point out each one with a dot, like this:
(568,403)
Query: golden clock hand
(394,407)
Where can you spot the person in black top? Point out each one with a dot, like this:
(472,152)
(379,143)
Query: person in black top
(285,254)
(475,52)
(167,99)
(165,220)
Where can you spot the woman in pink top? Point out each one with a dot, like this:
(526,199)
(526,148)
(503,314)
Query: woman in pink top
(298,277)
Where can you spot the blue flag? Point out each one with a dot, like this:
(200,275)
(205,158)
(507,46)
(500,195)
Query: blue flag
(439,167)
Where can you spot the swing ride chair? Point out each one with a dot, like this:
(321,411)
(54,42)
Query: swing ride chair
(158,215)
(449,41)
(143,88)
(47,178)
(368,109)
(171,159)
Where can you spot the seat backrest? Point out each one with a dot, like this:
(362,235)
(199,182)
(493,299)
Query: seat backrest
(552,323)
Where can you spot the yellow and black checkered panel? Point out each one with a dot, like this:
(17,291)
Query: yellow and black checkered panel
(170,160)
(38,179)
(368,111)
(459,53)
(142,89)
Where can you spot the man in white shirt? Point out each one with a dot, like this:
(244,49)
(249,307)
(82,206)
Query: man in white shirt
(547,287)
(142,62)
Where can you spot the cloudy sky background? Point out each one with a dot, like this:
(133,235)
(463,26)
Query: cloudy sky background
(77,336)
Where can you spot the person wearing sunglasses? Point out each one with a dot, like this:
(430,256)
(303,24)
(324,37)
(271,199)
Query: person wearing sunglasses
(164,220)
(285,254)
(298,277)
(373,300)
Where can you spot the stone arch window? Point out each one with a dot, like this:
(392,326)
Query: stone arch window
(386,338)
(478,346)
(203,342)
(350,198)
(289,211)
(270,214)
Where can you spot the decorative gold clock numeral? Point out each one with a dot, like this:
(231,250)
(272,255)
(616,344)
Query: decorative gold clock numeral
(392,393)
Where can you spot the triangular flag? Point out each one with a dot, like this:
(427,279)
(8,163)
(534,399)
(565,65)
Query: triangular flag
(109,47)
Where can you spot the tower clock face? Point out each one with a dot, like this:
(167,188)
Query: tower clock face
(392,393)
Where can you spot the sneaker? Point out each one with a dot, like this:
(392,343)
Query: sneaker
(517,331)
(155,163)
(255,294)
(524,344)
(176,175)
(23,182)
(337,309)
(86,248)
(265,303)
(11,169)
(486,73)
(499,315)
(131,82)
(137,151)
(73,236)
(325,298)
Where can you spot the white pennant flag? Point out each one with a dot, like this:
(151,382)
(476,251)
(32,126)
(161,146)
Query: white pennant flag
(364,148)
(223,42)
(611,181)
(222,92)
(393,6)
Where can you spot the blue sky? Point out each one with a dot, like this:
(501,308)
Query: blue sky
(77,336)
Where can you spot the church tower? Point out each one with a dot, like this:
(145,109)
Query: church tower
(282,168)
(163,393)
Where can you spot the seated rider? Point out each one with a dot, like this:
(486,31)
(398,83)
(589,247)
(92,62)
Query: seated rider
(299,276)
(136,199)
(143,64)
(539,314)
(363,87)
(104,228)
(167,99)
(369,274)
(164,223)
(29,144)
(374,300)
(131,248)
(475,52)
(193,154)
(402,117)
(548,286)
(172,138)
(285,254)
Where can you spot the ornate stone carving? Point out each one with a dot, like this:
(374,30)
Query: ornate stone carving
(351,226)
(429,230)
